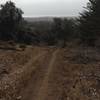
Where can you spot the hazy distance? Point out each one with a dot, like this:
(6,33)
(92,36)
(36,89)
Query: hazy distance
(44,8)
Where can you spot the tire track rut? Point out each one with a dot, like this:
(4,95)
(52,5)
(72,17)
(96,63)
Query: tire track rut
(37,86)
(44,86)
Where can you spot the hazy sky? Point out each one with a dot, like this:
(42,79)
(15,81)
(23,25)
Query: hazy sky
(50,7)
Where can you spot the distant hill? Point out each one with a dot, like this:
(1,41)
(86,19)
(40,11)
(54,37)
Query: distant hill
(37,19)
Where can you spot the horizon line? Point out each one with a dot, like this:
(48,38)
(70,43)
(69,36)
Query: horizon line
(49,16)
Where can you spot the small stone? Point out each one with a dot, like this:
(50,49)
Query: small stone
(19,98)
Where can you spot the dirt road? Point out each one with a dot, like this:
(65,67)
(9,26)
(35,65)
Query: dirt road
(56,77)
(37,87)
(54,74)
(41,95)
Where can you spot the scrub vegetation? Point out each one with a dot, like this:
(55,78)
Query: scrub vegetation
(50,59)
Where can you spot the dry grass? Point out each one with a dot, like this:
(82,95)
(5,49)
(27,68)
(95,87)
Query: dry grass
(80,73)
(75,75)
(22,69)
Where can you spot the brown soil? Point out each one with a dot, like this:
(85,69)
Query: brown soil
(54,74)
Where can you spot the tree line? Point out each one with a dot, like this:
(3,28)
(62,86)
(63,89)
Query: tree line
(86,27)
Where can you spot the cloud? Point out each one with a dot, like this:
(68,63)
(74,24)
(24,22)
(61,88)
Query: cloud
(50,7)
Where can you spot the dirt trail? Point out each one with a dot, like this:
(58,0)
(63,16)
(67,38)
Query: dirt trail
(44,87)
(38,86)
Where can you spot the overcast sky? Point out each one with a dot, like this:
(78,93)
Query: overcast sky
(37,8)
